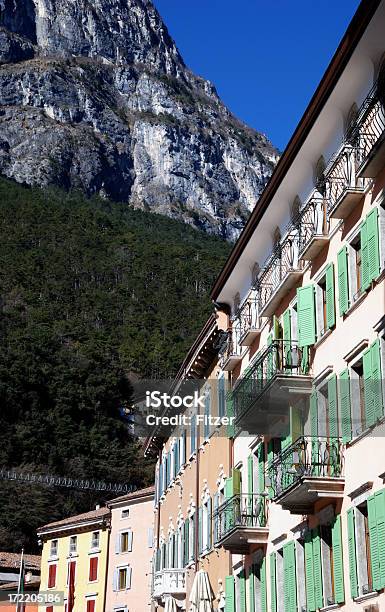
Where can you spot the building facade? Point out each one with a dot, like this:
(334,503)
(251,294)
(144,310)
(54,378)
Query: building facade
(130,552)
(74,560)
(286,510)
(192,467)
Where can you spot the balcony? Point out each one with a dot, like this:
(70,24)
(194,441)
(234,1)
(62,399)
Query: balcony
(277,377)
(249,328)
(241,522)
(169,582)
(370,133)
(230,353)
(307,471)
(344,188)
(313,226)
(281,272)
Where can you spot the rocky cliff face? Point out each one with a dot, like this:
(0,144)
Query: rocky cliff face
(94,95)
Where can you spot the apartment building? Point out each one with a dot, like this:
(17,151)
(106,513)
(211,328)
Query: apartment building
(192,468)
(74,560)
(130,552)
(298,339)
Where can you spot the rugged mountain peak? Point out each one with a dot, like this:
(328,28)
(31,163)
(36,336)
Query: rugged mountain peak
(96,96)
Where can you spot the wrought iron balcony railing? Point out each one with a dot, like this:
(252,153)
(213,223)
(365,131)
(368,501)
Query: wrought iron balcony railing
(313,227)
(308,457)
(343,187)
(368,135)
(281,357)
(169,581)
(248,321)
(281,271)
(243,511)
(231,350)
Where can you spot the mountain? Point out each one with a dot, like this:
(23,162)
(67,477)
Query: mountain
(95,96)
(88,300)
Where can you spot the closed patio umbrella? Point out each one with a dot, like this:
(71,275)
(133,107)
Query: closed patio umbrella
(200,596)
(170,605)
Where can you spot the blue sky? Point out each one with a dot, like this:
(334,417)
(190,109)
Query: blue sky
(265,57)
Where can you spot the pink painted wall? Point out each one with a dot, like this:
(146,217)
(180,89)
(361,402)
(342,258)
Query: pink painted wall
(140,521)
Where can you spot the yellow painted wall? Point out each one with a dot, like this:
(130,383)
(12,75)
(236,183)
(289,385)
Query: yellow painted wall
(83,588)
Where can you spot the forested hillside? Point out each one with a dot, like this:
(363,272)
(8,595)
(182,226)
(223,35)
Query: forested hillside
(90,292)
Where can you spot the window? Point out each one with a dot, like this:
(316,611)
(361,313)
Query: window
(319,178)
(90,605)
(193,434)
(207,415)
(205,526)
(257,584)
(325,304)
(125,541)
(123,578)
(191,537)
(366,554)
(240,591)
(125,513)
(324,565)
(71,572)
(73,544)
(52,575)
(54,548)
(95,539)
(93,573)
(358,398)
(277,580)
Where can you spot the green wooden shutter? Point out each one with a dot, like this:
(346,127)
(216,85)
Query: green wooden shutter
(338,561)
(380,518)
(273,582)
(242,591)
(309,572)
(251,588)
(230,593)
(250,474)
(313,414)
(314,432)
(290,581)
(221,397)
(229,414)
(200,530)
(270,458)
(229,488)
(186,542)
(373,540)
(368,388)
(236,476)
(352,553)
(345,406)
(365,283)
(373,244)
(306,316)
(343,280)
(209,523)
(317,561)
(261,468)
(263,586)
(330,301)
(377,399)
(286,319)
(333,408)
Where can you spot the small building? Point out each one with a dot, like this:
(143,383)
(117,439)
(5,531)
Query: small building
(130,552)
(10,566)
(75,551)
